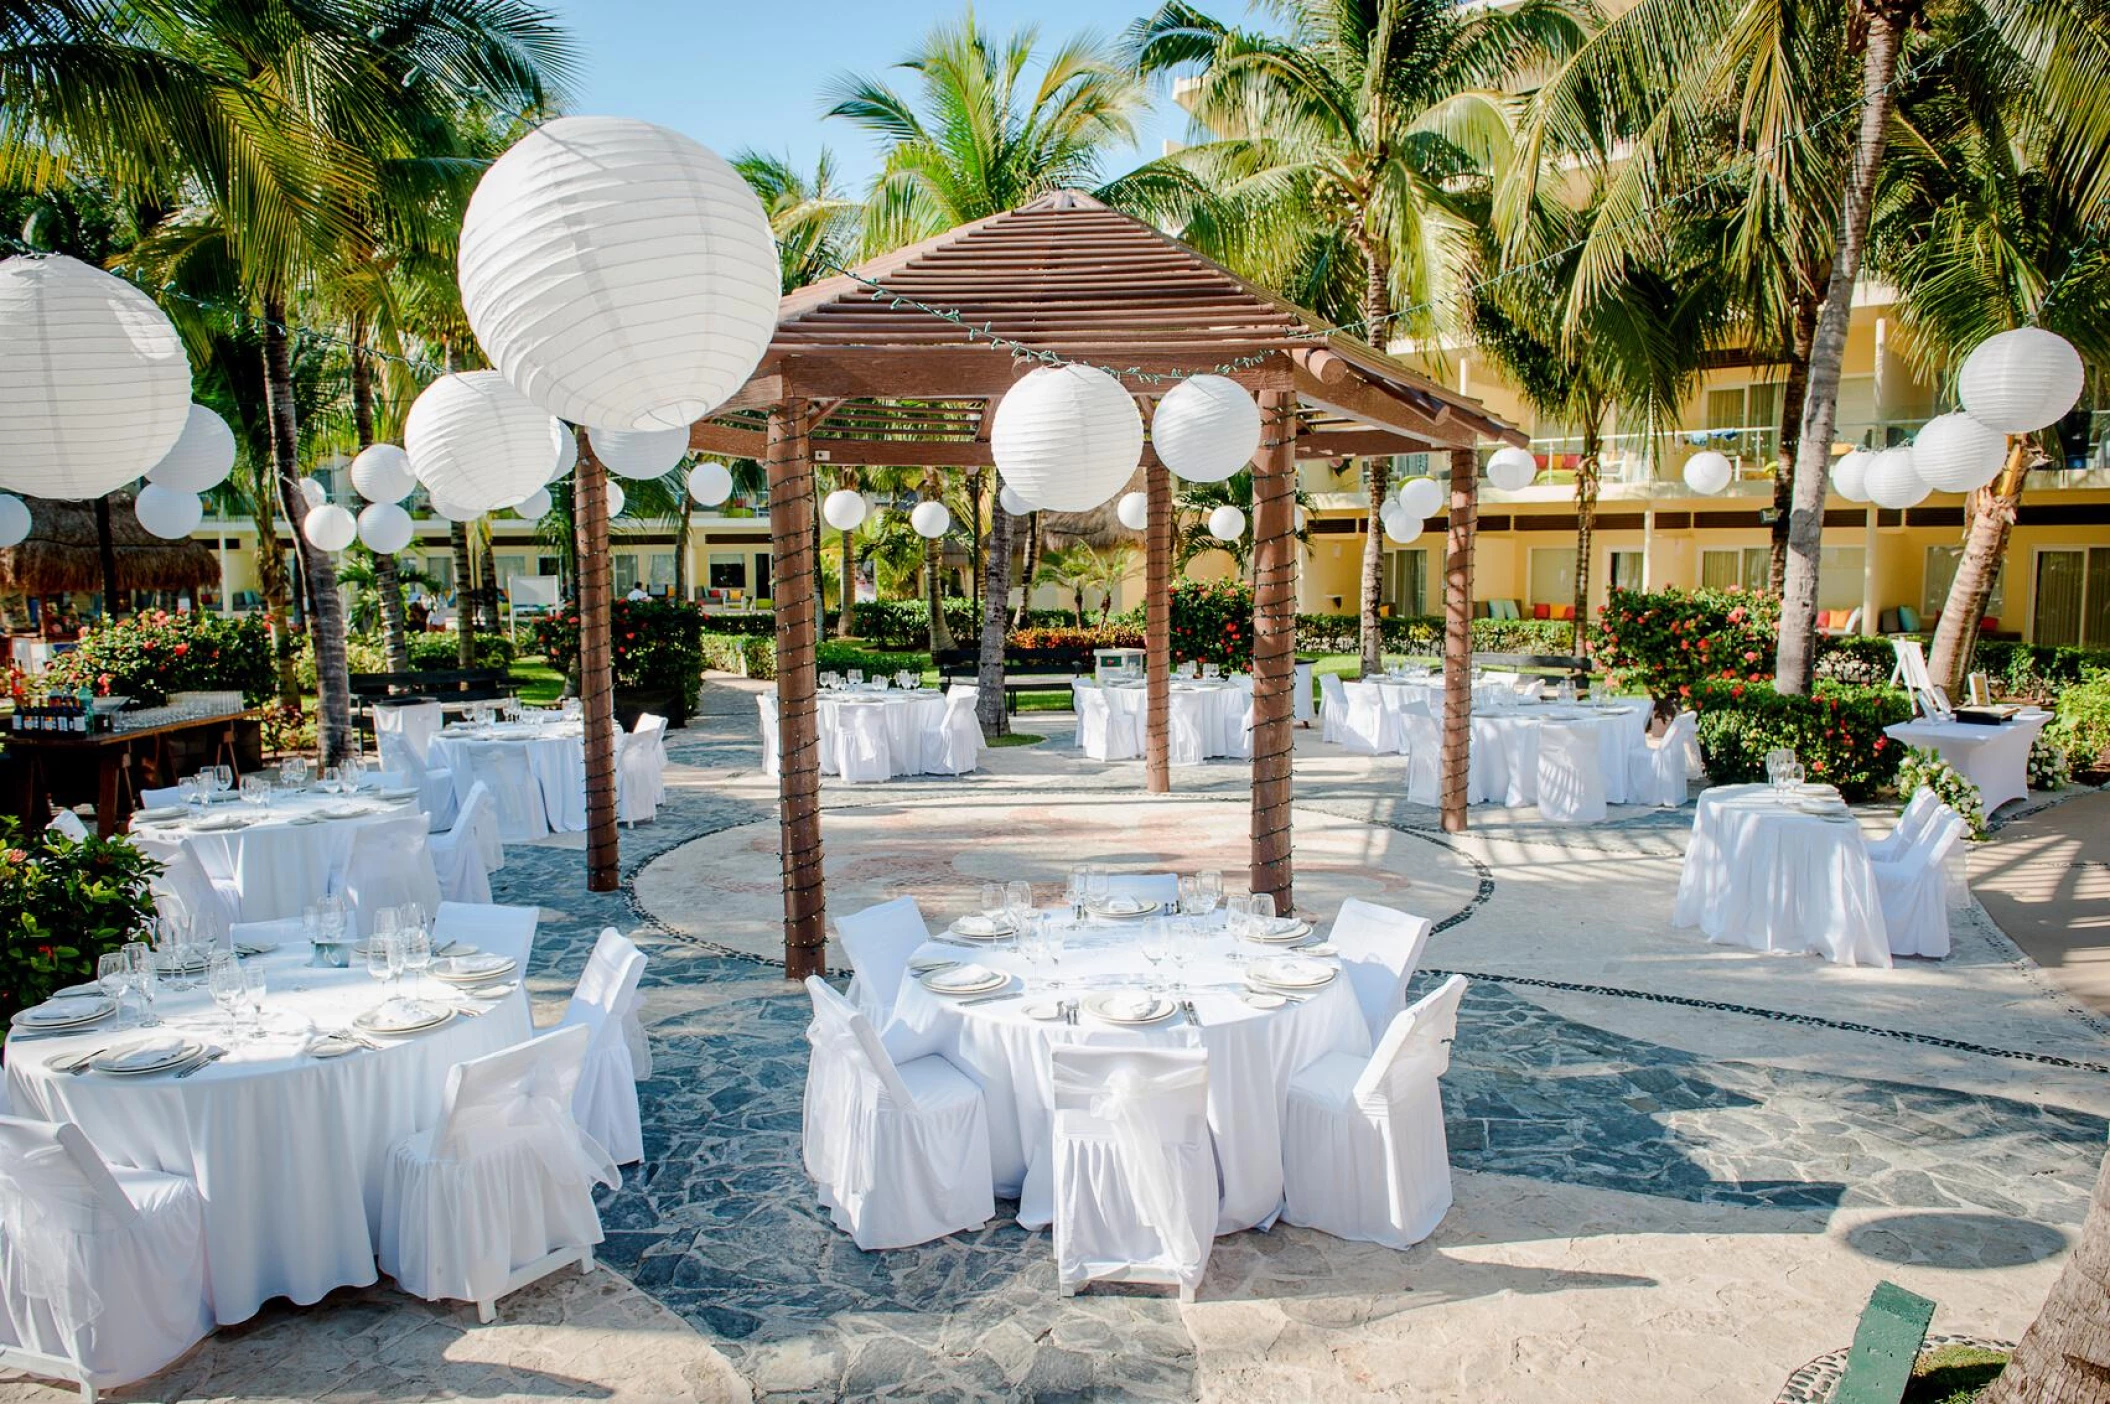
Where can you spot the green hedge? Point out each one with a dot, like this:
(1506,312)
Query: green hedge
(1422,634)
(2084,721)
(442,652)
(905,624)
(1836,731)
(2036,673)
(744,654)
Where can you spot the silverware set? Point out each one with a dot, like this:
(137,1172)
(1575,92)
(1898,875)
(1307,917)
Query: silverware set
(205,1060)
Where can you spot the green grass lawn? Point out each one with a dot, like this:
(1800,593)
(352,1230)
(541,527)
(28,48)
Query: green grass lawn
(1015,738)
(1954,1374)
(540,685)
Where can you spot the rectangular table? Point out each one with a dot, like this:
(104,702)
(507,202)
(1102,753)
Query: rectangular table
(1994,758)
(114,766)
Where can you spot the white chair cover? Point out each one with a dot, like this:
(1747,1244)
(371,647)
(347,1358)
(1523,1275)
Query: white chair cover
(505,771)
(1424,758)
(1135,1170)
(1919,812)
(772,755)
(163,798)
(390,864)
(435,784)
(1333,708)
(1364,1154)
(415,722)
(500,1192)
(1571,774)
(1380,951)
(507,931)
(1656,772)
(1240,741)
(102,1271)
(866,755)
(606,1100)
(69,825)
(879,941)
(1370,727)
(184,891)
(1078,687)
(1913,889)
(1110,734)
(1147,887)
(1187,715)
(640,770)
(461,857)
(900,1154)
(954,745)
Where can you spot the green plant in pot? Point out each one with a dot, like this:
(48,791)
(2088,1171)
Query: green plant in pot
(63,904)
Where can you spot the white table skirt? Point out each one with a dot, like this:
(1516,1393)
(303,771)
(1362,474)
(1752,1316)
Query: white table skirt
(1760,874)
(288,1151)
(1994,758)
(280,866)
(556,757)
(1220,706)
(1252,1056)
(910,716)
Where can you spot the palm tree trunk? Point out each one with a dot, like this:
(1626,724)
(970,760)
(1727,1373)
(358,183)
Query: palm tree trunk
(934,576)
(596,671)
(1030,571)
(386,583)
(1373,636)
(2065,1353)
(1813,458)
(106,548)
(1585,527)
(464,597)
(1274,647)
(272,583)
(798,736)
(681,548)
(488,595)
(996,601)
(843,620)
(1458,635)
(1793,393)
(1157,627)
(1993,509)
(975,546)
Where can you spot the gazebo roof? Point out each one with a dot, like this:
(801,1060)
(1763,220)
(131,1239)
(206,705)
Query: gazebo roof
(1064,275)
(61,554)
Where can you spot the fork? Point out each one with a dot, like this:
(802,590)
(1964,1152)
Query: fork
(1187,1008)
(78,1062)
(212,1055)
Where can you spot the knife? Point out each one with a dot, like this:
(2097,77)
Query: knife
(212,1055)
(992,999)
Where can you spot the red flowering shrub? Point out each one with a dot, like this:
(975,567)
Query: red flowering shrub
(1836,731)
(656,644)
(1666,641)
(62,904)
(153,654)
(1212,622)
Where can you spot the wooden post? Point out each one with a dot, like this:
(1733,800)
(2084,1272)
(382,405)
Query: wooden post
(1458,635)
(596,667)
(798,723)
(1157,629)
(1274,644)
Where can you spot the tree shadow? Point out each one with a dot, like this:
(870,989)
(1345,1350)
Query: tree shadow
(1962,1241)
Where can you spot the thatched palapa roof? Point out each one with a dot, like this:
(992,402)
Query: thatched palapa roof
(62,553)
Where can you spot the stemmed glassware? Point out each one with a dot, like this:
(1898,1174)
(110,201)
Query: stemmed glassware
(253,983)
(256,792)
(1190,895)
(293,772)
(1097,883)
(1080,877)
(993,903)
(139,967)
(381,953)
(1156,940)
(114,974)
(172,947)
(1018,905)
(416,947)
(1033,945)
(1210,884)
(222,778)
(230,988)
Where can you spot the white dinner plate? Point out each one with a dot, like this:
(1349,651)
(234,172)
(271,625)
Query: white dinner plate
(347,811)
(395,1017)
(968,979)
(221,823)
(399,793)
(473,969)
(1283,930)
(980,927)
(1129,1007)
(1125,908)
(159,814)
(1042,1009)
(924,965)
(150,1055)
(1290,973)
(1262,999)
(65,1012)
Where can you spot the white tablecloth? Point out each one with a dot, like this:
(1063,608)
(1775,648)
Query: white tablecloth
(1508,743)
(556,757)
(287,1150)
(279,865)
(1994,758)
(1219,706)
(910,716)
(1759,873)
(1252,1056)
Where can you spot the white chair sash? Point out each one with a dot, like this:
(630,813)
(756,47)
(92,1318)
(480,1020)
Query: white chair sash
(1125,1100)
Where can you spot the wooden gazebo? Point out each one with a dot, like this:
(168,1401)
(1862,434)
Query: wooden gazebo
(861,372)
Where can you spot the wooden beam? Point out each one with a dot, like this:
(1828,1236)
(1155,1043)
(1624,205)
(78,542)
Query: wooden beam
(707,437)
(1458,635)
(1373,404)
(952,372)
(1274,645)
(791,520)
(1157,629)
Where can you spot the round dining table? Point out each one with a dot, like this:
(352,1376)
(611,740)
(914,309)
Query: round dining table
(1506,740)
(287,1149)
(1215,706)
(1253,1052)
(1782,871)
(911,715)
(555,753)
(278,858)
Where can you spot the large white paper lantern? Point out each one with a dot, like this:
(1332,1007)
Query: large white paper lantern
(1133,510)
(930,520)
(640,453)
(1420,497)
(1401,526)
(1955,453)
(2019,381)
(452,511)
(535,506)
(1894,482)
(381,473)
(1008,499)
(169,513)
(330,528)
(202,457)
(1850,475)
(385,527)
(1227,523)
(710,483)
(843,509)
(314,492)
(94,383)
(1708,472)
(567,453)
(1511,469)
(14,521)
(616,499)
(1066,438)
(1206,428)
(619,273)
(475,441)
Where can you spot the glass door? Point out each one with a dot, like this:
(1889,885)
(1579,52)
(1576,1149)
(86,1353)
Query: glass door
(2061,580)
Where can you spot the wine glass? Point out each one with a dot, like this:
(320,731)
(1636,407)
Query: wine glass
(222,779)
(1238,915)
(993,903)
(114,975)
(253,982)
(380,960)
(171,945)
(1211,884)
(139,966)
(256,792)
(193,787)
(1033,945)
(416,946)
(294,771)
(1190,897)
(223,976)
(1018,902)
(1153,946)
(1097,882)
(1080,876)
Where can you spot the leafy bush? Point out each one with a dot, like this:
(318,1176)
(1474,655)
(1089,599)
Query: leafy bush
(153,654)
(1110,635)
(744,654)
(761,623)
(905,624)
(1853,659)
(63,904)
(361,656)
(1212,622)
(1924,769)
(1422,635)
(657,645)
(1836,732)
(2051,757)
(441,653)
(2084,715)
(288,727)
(2036,673)
(1668,642)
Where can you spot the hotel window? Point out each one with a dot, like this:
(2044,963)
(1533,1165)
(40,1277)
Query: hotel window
(1941,569)
(1553,575)
(441,569)
(1626,570)
(728,571)
(1839,572)
(1750,568)
(1406,581)
(625,572)
(659,571)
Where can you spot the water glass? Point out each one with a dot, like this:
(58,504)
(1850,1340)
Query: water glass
(1018,902)
(293,772)
(1033,947)
(1080,875)
(256,792)
(416,946)
(993,901)
(139,965)
(253,996)
(1238,915)
(1211,883)
(380,954)
(222,778)
(114,975)
(1156,940)
(171,949)
(230,988)
(1190,896)
(1097,884)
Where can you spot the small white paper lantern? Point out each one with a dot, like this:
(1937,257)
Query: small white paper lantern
(1850,475)
(473,440)
(567,453)
(843,509)
(385,527)
(14,521)
(381,473)
(620,274)
(1955,453)
(1010,501)
(94,382)
(1227,523)
(1893,481)
(1066,438)
(169,513)
(535,506)
(640,453)
(330,528)
(615,498)
(710,483)
(1511,469)
(1708,472)
(1401,526)
(452,511)
(1206,428)
(2020,381)
(1420,497)
(202,457)
(1133,510)
(930,520)
(316,494)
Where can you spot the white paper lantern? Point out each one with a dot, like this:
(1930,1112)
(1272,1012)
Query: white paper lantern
(615,498)
(620,274)
(1955,453)
(1420,497)
(381,473)
(316,494)
(1708,472)
(567,453)
(330,528)
(710,483)
(1066,438)
(639,453)
(14,521)
(1227,523)
(1401,526)
(930,520)
(1511,469)
(1850,475)
(843,509)
(1010,501)
(1133,510)
(2019,381)
(535,506)
(202,457)
(94,383)
(169,513)
(452,511)
(1894,482)
(473,440)
(385,527)
(1206,428)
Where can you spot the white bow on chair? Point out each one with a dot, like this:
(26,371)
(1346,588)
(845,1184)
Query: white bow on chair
(1124,1101)
(48,1251)
(535,1117)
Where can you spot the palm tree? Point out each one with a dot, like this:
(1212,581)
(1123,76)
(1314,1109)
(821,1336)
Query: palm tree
(1106,567)
(1195,501)
(1071,569)
(1338,153)
(814,222)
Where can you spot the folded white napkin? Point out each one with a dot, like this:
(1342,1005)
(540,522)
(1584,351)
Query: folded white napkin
(962,977)
(63,1010)
(147,1053)
(978,924)
(1130,1005)
(1292,970)
(1124,905)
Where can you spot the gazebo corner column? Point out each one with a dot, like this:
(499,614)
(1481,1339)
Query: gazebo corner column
(791,522)
(1274,644)
(1458,635)
(1157,629)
